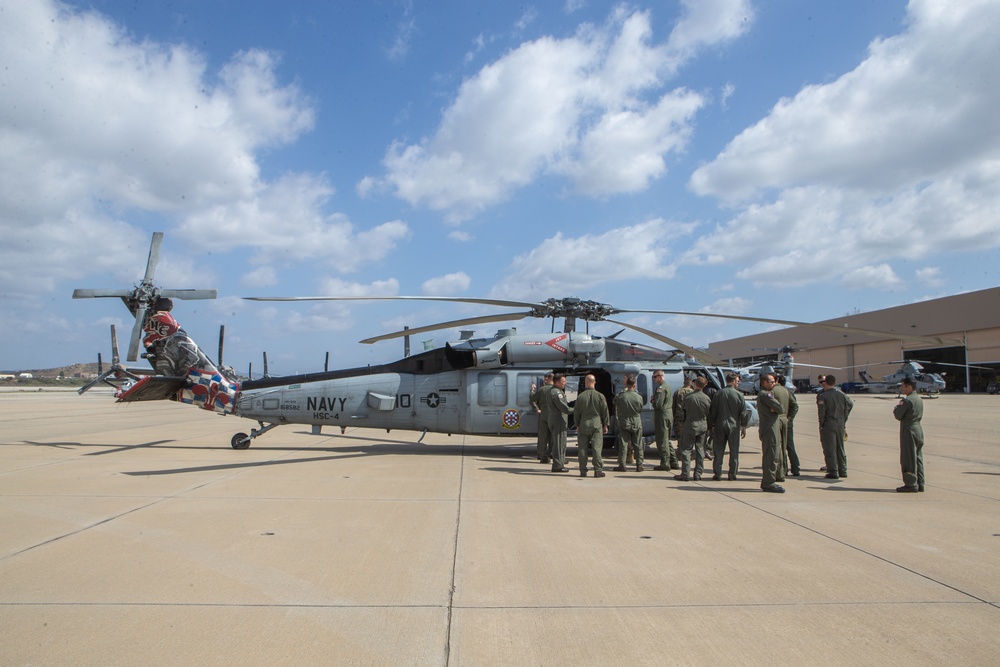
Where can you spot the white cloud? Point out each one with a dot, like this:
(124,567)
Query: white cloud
(460,236)
(338,287)
(880,277)
(930,276)
(405,29)
(708,22)
(624,151)
(262,276)
(286,221)
(899,158)
(99,128)
(726,93)
(921,105)
(95,125)
(562,264)
(452,283)
(590,107)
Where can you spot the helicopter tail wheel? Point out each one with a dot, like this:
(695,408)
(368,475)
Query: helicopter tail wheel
(240,441)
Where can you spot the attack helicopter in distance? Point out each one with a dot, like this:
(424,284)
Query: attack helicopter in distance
(926,383)
(784,366)
(473,386)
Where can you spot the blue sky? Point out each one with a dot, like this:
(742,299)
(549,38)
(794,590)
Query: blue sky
(774,158)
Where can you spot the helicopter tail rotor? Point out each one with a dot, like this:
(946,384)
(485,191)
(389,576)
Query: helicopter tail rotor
(116,370)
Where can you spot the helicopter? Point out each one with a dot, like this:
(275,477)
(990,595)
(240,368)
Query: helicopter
(784,366)
(927,383)
(473,386)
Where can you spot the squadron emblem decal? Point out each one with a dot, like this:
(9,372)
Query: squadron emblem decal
(512,419)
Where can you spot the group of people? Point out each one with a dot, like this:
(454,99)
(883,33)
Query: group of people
(721,419)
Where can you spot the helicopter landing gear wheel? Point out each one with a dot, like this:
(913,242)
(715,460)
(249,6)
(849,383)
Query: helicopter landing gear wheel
(240,441)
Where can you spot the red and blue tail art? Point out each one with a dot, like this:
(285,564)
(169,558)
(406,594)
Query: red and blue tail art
(188,376)
(210,390)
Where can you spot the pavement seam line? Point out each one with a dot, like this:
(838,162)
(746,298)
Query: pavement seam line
(454,558)
(109,519)
(859,549)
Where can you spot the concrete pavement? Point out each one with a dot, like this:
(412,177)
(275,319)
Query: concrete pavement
(135,534)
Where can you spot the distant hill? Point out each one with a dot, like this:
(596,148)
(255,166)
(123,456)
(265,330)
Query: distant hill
(84,371)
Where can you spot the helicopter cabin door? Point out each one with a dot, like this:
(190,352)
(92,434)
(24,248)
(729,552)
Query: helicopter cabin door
(499,403)
(439,400)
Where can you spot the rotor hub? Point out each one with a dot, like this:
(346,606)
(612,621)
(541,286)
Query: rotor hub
(574,308)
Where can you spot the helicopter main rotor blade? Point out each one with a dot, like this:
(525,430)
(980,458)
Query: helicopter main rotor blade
(487,302)
(154,256)
(189,294)
(98,293)
(504,317)
(832,368)
(133,346)
(686,349)
(932,340)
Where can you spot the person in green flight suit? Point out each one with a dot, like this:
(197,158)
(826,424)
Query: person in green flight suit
(628,408)
(539,400)
(785,398)
(559,412)
(791,463)
(728,417)
(695,431)
(679,397)
(663,418)
(909,412)
(769,409)
(590,414)
(833,407)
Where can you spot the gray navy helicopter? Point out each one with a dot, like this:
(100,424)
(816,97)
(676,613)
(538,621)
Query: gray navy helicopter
(473,386)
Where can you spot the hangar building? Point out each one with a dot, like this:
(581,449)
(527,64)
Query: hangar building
(966,349)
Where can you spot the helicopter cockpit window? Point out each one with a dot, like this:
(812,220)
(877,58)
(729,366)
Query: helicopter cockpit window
(492,389)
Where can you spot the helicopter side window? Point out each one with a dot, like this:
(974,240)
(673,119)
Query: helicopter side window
(523,388)
(492,389)
(642,386)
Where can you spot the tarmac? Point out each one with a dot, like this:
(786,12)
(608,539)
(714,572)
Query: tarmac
(134,534)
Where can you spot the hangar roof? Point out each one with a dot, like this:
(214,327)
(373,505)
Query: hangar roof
(949,316)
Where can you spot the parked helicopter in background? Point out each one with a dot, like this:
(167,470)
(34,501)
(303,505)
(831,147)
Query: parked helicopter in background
(927,383)
(784,366)
(474,386)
